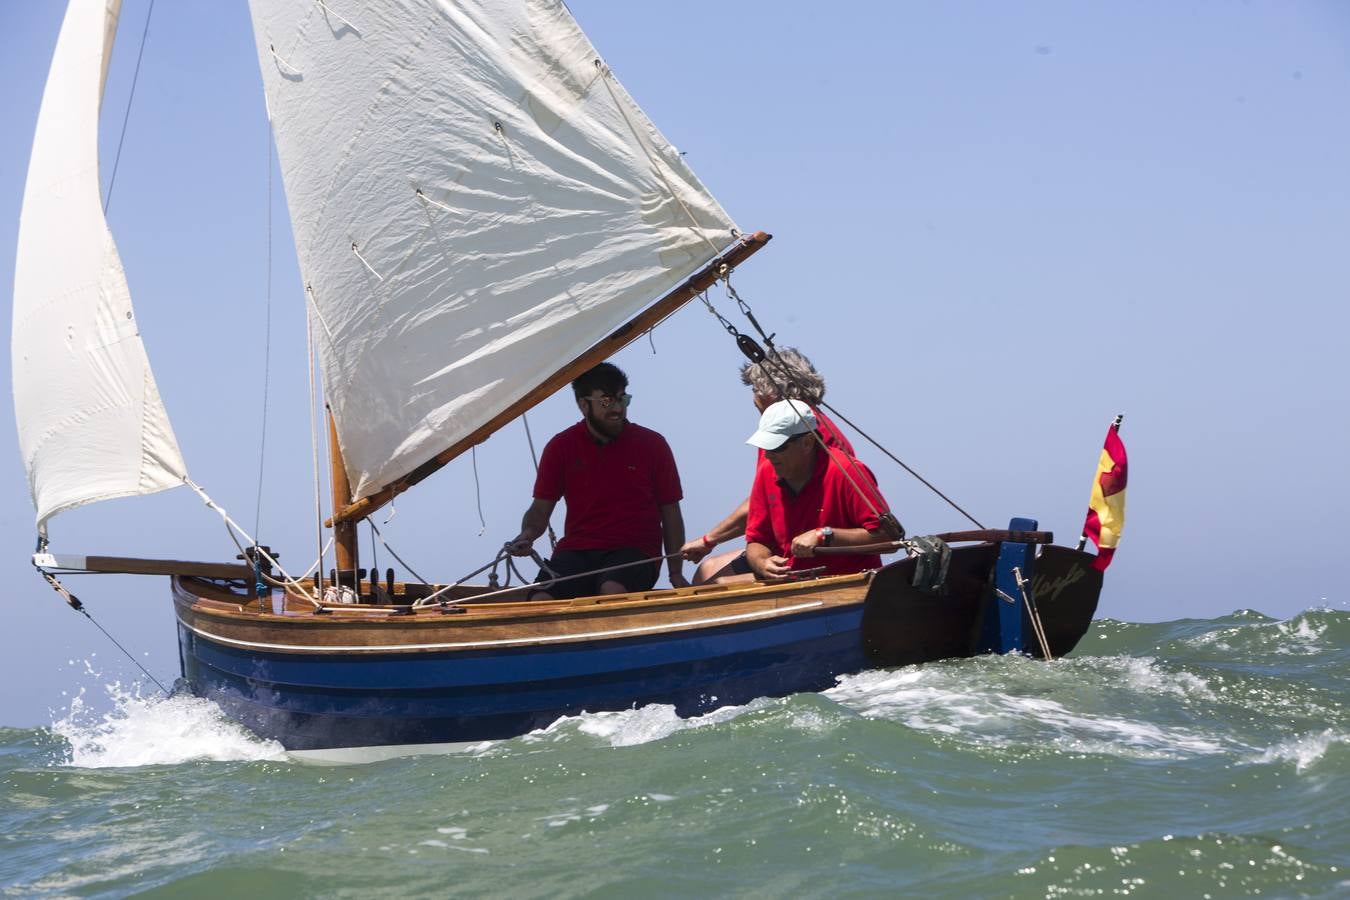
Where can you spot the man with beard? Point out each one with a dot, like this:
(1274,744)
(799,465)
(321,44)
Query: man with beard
(622,491)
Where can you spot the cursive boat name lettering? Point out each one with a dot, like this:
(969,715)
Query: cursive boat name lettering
(1047,590)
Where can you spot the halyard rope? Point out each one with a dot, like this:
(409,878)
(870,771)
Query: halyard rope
(267,340)
(126,117)
(314,448)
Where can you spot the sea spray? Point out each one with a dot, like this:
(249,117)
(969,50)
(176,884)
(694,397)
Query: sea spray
(139,728)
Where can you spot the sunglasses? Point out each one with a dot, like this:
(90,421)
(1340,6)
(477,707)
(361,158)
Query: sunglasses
(788,443)
(609,400)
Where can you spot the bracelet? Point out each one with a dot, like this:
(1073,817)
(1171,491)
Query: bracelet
(708,543)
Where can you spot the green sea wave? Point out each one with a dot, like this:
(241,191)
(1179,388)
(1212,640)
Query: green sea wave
(1161,759)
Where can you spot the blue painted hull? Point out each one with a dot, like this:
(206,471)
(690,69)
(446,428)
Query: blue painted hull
(310,701)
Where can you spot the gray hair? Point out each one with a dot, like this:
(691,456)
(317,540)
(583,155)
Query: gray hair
(785,370)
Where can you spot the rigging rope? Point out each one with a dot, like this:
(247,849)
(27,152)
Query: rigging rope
(854,477)
(135,77)
(752,350)
(74,603)
(314,449)
(267,341)
(510,567)
(374,564)
(232,526)
(604,71)
(410,569)
(926,483)
(477,490)
(756,354)
(554,578)
(534,457)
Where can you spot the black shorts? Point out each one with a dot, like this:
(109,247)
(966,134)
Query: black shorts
(572,562)
(738,566)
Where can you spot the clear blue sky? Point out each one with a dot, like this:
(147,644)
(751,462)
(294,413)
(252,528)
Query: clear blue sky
(996,226)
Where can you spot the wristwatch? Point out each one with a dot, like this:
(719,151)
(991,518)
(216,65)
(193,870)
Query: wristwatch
(826,536)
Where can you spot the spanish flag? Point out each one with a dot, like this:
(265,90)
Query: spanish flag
(1106,508)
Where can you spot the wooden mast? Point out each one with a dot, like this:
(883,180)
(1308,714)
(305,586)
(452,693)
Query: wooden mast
(620,338)
(344,533)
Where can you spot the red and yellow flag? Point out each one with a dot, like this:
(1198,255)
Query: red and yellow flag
(1106,508)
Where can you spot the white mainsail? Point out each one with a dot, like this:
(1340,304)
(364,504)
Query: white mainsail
(91,422)
(476,201)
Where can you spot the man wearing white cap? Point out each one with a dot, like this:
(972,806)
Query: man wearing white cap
(784,374)
(808,496)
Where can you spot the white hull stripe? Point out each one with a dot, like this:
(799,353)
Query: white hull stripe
(505,642)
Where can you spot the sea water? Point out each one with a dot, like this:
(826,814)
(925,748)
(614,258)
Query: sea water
(1196,758)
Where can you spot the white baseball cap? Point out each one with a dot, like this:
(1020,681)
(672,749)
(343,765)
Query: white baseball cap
(784,419)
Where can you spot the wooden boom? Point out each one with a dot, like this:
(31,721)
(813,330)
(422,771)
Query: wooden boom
(621,337)
(130,565)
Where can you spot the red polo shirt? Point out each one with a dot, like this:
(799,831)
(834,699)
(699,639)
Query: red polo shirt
(828,498)
(829,433)
(614,491)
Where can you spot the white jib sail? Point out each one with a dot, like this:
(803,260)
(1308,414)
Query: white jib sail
(91,423)
(476,201)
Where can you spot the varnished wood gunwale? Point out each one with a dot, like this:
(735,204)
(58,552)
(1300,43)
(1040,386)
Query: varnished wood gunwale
(206,610)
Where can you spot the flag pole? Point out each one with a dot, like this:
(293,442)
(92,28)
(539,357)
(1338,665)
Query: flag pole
(1115,426)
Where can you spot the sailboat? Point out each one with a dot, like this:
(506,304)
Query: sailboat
(481,212)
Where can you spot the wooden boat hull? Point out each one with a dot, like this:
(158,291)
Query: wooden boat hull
(370,676)
(432,679)
(904,626)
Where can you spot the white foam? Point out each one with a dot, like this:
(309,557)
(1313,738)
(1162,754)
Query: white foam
(632,727)
(1145,675)
(1302,751)
(154,730)
(1293,637)
(433,842)
(568,816)
(1304,636)
(932,699)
